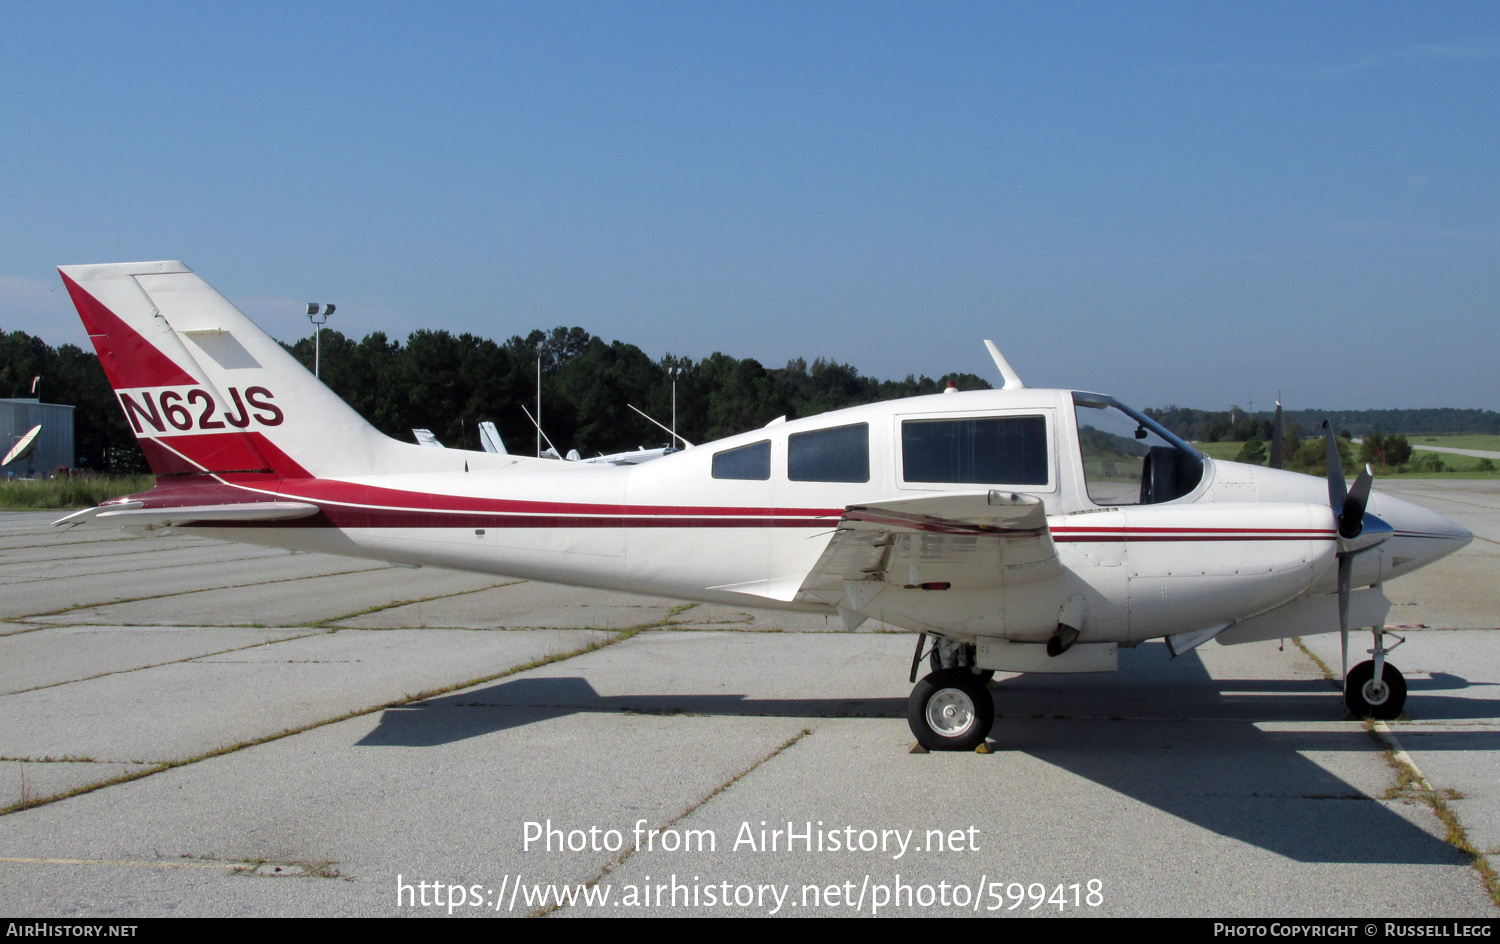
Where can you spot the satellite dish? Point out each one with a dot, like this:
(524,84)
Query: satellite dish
(23,447)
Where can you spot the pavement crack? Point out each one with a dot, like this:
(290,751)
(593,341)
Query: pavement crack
(164,864)
(157,665)
(49,759)
(619,860)
(621,636)
(19,580)
(1412,786)
(183,593)
(1322,666)
(328,623)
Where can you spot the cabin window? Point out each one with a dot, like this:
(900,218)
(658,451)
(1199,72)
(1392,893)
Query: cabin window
(840,454)
(992,450)
(746,462)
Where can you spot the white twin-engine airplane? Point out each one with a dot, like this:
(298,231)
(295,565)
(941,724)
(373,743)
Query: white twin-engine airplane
(1021,530)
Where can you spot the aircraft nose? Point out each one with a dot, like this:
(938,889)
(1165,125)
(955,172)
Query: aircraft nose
(1421,535)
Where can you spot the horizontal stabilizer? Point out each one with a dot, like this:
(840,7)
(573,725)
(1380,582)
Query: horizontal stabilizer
(135,515)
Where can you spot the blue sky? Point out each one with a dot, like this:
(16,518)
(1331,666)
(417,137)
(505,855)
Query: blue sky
(1181,203)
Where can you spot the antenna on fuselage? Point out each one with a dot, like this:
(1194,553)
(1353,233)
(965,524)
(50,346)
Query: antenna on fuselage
(1012,379)
(672,433)
(540,435)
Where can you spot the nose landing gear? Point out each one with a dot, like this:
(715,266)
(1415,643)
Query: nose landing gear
(1375,688)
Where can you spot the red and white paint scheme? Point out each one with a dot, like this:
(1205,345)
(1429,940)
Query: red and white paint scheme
(1017,529)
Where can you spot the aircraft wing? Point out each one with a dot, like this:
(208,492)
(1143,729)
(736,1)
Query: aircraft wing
(961,541)
(134,514)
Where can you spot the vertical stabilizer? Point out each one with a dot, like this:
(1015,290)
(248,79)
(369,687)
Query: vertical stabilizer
(205,390)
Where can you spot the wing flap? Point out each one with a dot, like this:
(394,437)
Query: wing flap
(966,541)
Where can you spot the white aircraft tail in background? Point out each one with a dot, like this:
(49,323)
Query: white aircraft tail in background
(489,438)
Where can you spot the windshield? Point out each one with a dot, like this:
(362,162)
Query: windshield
(1129,458)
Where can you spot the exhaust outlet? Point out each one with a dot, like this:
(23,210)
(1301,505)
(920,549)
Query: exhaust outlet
(1062,640)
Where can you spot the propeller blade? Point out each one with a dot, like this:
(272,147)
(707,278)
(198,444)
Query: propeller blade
(1346,572)
(1352,517)
(1337,490)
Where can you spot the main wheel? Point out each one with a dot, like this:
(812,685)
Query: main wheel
(1367,698)
(950,710)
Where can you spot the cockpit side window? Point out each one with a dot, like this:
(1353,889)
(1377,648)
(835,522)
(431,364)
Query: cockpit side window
(839,454)
(1129,459)
(747,462)
(993,450)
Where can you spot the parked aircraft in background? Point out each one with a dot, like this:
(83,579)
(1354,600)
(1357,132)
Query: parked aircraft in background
(1021,530)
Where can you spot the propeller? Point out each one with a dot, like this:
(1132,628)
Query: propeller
(1357,532)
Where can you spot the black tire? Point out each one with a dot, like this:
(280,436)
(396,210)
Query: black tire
(1364,702)
(951,710)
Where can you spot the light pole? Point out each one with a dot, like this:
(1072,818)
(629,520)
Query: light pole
(318,315)
(675,372)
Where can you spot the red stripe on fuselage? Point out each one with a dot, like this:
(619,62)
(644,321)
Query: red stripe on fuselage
(326,491)
(352,505)
(335,516)
(1186,538)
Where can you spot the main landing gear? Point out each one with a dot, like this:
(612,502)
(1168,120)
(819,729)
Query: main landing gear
(951,708)
(1375,688)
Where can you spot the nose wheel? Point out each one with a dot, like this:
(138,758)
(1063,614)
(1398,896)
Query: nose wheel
(951,710)
(1368,697)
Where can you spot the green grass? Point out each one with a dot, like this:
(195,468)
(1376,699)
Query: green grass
(62,494)
(1468,472)
(1219,450)
(1476,441)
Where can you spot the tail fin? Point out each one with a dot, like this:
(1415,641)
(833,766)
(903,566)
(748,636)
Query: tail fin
(489,438)
(205,390)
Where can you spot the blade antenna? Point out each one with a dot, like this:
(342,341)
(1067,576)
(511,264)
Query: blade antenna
(685,443)
(1012,379)
(539,430)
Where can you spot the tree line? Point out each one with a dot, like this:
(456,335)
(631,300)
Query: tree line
(1236,425)
(450,383)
